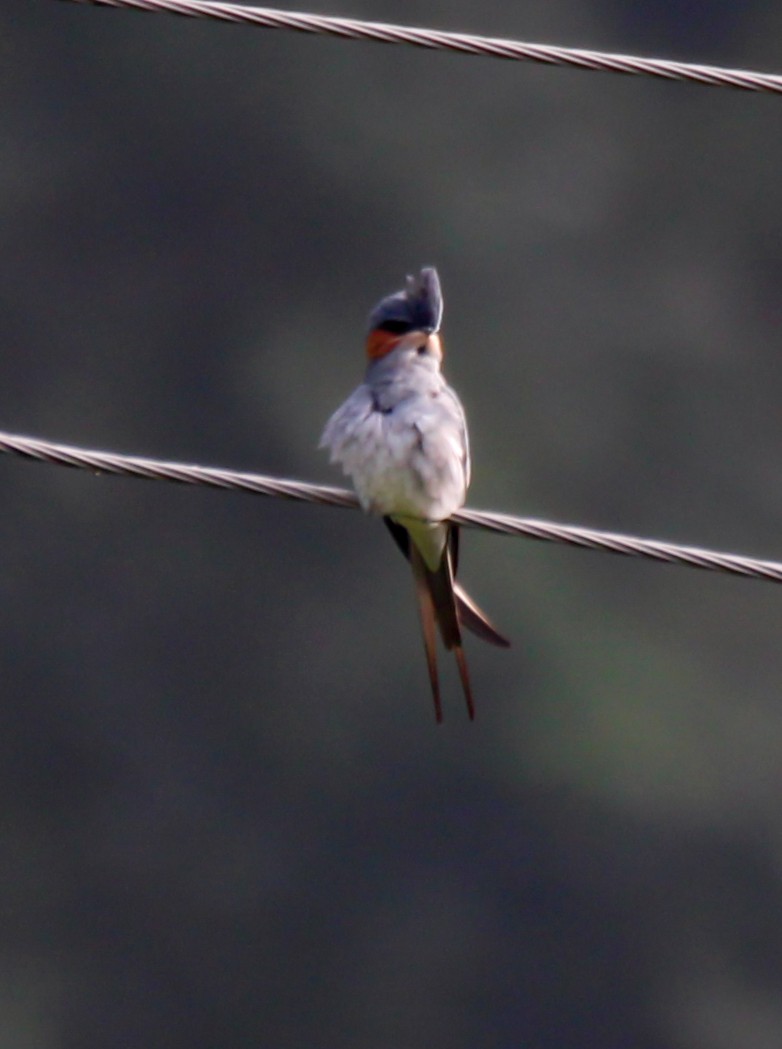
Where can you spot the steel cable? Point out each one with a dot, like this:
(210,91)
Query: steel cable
(465,43)
(549,531)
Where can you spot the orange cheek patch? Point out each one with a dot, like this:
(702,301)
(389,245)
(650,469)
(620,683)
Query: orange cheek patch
(380,342)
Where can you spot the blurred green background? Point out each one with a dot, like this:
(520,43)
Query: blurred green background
(228,818)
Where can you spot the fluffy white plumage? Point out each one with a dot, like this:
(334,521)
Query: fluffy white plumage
(401,437)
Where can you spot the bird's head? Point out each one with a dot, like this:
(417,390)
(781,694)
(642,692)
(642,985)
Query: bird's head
(408,319)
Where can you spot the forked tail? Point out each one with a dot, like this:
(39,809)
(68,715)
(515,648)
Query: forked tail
(470,616)
(437,605)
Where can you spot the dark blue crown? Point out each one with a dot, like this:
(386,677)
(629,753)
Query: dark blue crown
(418,308)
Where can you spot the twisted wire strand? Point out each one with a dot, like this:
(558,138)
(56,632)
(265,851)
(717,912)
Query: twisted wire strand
(548,531)
(465,43)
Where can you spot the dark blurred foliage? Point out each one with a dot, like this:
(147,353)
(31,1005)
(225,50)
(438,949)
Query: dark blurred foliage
(228,818)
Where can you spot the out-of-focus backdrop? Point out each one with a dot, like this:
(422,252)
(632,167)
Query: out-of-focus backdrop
(228,818)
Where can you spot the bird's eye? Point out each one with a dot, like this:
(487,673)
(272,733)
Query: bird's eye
(422,350)
(395,327)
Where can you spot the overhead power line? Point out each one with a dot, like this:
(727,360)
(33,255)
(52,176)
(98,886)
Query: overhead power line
(464,43)
(529,527)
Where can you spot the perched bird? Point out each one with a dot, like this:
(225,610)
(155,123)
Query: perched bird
(401,436)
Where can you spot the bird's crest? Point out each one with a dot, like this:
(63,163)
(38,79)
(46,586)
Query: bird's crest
(419,307)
